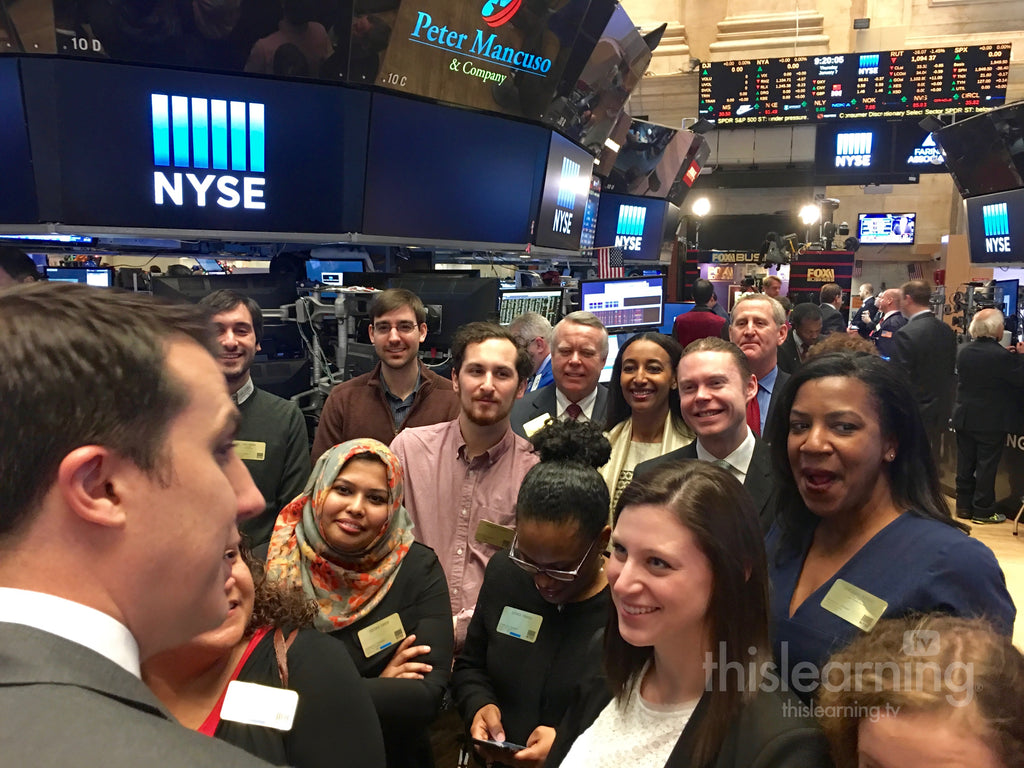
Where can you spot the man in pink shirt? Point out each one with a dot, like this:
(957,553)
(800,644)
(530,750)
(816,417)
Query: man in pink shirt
(462,477)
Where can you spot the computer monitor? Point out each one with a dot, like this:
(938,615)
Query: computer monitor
(625,304)
(329,271)
(1005,294)
(100,277)
(210,266)
(886,228)
(546,302)
(614,342)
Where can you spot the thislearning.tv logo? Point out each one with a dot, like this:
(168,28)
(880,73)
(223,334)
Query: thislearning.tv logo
(568,184)
(208,135)
(997,228)
(853,150)
(629,233)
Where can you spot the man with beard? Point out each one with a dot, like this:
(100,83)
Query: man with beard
(462,477)
(399,392)
(271,438)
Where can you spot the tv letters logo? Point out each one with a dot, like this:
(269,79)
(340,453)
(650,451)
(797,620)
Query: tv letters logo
(565,203)
(211,135)
(629,232)
(921,642)
(997,228)
(853,150)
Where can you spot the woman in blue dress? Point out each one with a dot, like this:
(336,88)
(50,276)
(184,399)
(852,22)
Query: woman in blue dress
(863,531)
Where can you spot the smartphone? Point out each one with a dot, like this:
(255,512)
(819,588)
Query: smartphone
(507,746)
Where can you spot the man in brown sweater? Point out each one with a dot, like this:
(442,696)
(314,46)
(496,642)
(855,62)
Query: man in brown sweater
(399,392)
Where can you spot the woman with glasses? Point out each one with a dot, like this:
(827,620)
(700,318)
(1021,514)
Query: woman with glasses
(540,617)
(347,542)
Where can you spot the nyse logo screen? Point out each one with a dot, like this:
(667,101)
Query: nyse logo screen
(996,219)
(568,189)
(221,142)
(629,232)
(853,150)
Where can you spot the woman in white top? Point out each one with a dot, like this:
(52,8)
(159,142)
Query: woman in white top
(643,418)
(687,654)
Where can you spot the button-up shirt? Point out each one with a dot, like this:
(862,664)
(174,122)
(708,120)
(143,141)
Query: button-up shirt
(448,494)
(738,460)
(586,405)
(764,393)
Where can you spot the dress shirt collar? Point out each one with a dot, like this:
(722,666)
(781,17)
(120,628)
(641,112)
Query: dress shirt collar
(738,460)
(74,622)
(535,379)
(768,382)
(489,456)
(586,404)
(890,313)
(245,392)
(918,314)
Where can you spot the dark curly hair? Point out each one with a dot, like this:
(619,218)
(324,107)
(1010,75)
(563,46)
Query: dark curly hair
(566,486)
(275,605)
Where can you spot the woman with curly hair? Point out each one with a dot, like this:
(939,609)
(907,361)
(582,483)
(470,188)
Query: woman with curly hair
(265,640)
(511,685)
(347,542)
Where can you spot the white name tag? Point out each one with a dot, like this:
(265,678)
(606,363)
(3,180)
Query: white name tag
(535,425)
(853,604)
(250,450)
(385,633)
(520,624)
(253,704)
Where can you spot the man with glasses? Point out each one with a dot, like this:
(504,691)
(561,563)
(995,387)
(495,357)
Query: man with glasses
(577,358)
(399,392)
(533,332)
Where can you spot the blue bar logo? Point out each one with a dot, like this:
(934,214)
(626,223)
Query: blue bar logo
(212,135)
(629,232)
(868,64)
(853,150)
(568,184)
(996,218)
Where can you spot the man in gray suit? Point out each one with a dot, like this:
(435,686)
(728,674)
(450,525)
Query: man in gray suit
(715,384)
(579,352)
(119,495)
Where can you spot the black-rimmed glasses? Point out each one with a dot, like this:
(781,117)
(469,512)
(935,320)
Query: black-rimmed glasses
(533,570)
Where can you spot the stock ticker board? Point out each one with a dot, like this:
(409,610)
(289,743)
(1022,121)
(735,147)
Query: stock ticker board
(889,84)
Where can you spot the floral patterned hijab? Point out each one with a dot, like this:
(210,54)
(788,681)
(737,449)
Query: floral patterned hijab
(347,586)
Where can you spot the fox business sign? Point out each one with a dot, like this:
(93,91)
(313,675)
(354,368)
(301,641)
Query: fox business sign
(221,142)
(995,227)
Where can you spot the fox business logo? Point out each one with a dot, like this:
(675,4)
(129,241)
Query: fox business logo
(568,184)
(629,232)
(211,135)
(821,275)
(853,150)
(997,228)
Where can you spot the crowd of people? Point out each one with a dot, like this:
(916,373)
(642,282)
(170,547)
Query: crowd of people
(712,561)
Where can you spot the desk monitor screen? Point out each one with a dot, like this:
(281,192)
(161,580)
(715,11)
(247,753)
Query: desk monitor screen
(546,302)
(210,266)
(1005,296)
(329,271)
(614,342)
(625,304)
(101,277)
(886,228)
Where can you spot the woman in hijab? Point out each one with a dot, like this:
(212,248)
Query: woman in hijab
(347,541)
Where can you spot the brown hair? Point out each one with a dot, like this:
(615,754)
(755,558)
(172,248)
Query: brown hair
(845,343)
(479,332)
(829,292)
(84,366)
(396,298)
(225,300)
(715,344)
(974,671)
(917,291)
(713,506)
(276,605)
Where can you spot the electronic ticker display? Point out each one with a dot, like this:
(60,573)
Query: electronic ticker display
(901,83)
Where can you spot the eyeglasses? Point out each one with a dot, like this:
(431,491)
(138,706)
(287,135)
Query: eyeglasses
(533,570)
(405,328)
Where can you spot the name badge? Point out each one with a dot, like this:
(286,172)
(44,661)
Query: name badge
(535,425)
(519,624)
(249,450)
(253,704)
(853,604)
(385,633)
(499,536)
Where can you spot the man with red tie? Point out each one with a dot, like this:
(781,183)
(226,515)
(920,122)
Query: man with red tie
(758,328)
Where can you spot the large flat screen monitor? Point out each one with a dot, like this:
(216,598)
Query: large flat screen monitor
(330,271)
(1005,294)
(985,153)
(995,227)
(566,190)
(634,224)
(886,228)
(546,302)
(100,277)
(625,304)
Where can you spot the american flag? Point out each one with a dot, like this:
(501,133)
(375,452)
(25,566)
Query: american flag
(609,263)
(914,271)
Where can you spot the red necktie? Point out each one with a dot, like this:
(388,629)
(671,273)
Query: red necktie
(574,411)
(754,416)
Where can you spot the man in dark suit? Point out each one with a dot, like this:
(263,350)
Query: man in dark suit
(758,328)
(119,497)
(925,350)
(700,321)
(830,299)
(890,320)
(805,329)
(715,385)
(990,388)
(867,316)
(579,352)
